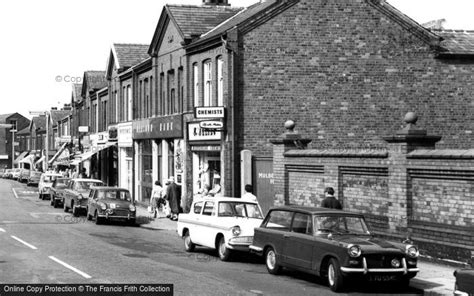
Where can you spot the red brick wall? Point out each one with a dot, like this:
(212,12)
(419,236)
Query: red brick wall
(346,74)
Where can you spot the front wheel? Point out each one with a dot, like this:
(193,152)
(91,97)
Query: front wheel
(188,244)
(98,220)
(66,208)
(222,250)
(335,277)
(271,261)
(75,211)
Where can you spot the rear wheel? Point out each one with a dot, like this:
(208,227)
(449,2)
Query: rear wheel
(188,244)
(222,250)
(89,216)
(335,278)
(98,220)
(271,261)
(66,208)
(75,211)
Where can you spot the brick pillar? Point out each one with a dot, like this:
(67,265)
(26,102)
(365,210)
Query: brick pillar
(399,145)
(286,141)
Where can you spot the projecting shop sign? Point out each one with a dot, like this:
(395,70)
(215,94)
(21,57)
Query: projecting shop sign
(196,133)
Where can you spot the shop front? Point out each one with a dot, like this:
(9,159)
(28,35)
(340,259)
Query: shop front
(125,155)
(158,144)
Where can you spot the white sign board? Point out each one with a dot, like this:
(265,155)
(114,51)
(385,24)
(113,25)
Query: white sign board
(209,112)
(196,133)
(83,129)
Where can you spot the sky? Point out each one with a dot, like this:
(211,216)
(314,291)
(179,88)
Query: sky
(46,45)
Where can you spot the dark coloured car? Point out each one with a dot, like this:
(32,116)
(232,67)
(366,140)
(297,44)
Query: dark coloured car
(34,178)
(110,203)
(76,194)
(464,282)
(332,244)
(57,190)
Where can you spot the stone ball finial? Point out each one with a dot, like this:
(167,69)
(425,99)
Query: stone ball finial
(290,125)
(411,118)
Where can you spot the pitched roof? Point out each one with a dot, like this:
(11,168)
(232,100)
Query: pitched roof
(57,115)
(95,79)
(128,55)
(195,20)
(76,92)
(457,42)
(3,117)
(39,122)
(24,131)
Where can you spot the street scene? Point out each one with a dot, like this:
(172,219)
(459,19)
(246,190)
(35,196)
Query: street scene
(265,147)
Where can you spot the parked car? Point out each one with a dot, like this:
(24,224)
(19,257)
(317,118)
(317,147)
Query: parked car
(222,223)
(45,183)
(24,175)
(110,203)
(16,173)
(333,244)
(464,284)
(6,173)
(34,178)
(76,194)
(56,191)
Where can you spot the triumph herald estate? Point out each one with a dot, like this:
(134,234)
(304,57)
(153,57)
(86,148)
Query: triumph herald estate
(222,223)
(76,194)
(332,244)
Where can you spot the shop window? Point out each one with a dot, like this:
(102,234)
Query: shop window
(171,158)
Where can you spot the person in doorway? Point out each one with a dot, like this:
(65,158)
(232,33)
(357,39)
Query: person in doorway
(75,174)
(330,201)
(172,195)
(155,199)
(83,173)
(248,195)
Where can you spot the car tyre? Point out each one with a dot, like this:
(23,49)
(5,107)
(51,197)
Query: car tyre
(75,211)
(335,277)
(55,203)
(89,216)
(51,202)
(271,261)
(97,219)
(188,244)
(223,252)
(66,208)
(40,196)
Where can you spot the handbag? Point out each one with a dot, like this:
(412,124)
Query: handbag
(166,208)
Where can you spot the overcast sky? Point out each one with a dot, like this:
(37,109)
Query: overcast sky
(46,39)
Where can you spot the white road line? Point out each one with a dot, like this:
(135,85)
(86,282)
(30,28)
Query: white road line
(70,267)
(2,230)
(14,192)
(23,242)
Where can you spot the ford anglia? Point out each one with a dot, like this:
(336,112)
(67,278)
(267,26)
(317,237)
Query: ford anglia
(332,244)
(222,223)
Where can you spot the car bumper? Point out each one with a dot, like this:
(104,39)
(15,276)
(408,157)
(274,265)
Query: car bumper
(112,216)
(256,250)
(240,243)
(365,270)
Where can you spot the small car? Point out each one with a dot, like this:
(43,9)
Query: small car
(111,203)
(222,223)
(332,244)
(7,173)
(34,178)
(45,183)
(464,284)
(16,173)
(75,195)
(57,189)
(24,175)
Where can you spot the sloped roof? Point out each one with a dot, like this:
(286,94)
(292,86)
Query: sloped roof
(24,131)
(3,117)
(57,115)
(39,122)
(128,55)
(95,79)
(76,92)
(457,42)
(195,20)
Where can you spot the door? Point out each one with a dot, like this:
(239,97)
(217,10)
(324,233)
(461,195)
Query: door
(263,182)
(299,242)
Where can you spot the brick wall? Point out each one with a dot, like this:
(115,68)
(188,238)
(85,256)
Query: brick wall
(346,73)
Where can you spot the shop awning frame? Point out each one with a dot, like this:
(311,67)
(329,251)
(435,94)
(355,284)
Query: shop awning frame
(57,153)
(86,155)
(20,157)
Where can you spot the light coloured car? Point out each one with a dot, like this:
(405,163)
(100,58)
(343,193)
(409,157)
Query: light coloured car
(222,223)
(16,173)
(45,183)
(76,195)
(34,178)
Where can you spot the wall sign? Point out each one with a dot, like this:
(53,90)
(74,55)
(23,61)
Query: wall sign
(209,112)
(158,127)
(212,124)
(196,133)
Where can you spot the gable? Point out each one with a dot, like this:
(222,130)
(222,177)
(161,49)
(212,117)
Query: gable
(171,39)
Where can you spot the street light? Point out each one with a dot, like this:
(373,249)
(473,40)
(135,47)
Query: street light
(8,125)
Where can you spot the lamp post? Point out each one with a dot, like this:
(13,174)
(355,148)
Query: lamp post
(8,125)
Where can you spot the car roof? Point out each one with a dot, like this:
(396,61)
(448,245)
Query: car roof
(87,180)
(224,198)
(53,174)
(313,210)
(106,188)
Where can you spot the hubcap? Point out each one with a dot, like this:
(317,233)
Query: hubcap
(222,247)
(331,274)
(271,259)
(187,240)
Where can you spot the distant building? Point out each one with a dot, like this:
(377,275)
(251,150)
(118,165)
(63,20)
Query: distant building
(9,145)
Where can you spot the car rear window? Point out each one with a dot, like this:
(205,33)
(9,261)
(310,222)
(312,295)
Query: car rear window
(302,224)
(279,220)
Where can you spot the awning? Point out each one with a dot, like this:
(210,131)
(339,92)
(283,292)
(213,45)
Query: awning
(28,159)
(86,155)
(20,157)
(58,153)
(40,160)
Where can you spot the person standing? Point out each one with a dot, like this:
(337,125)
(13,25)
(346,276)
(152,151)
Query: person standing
(172,195)
(248,193)
(330,201)
(155,197)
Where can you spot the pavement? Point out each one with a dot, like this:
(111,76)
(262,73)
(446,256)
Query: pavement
(435,277)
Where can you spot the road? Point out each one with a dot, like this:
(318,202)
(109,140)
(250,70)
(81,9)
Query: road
(40,244)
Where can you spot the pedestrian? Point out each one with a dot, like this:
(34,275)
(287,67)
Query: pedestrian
(75,175)
(155,199)
(83,173)
(172,192)
(248,195)
(330,201)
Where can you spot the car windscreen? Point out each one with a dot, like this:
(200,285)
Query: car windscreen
(114,194)
(85,185)
(50,179)
(340,224)
(239,209)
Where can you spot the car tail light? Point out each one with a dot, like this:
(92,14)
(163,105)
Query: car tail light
(354,251)
(236,230)
(412,251)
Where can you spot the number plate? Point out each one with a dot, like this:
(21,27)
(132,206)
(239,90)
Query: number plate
(381,278)
(113,206)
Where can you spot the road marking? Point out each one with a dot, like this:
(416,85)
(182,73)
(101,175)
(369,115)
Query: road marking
(14,192)
(23,242)
(70,267)
(2,230)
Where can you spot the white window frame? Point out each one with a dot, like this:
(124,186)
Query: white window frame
(220,81)
(129,103)
(207,73)
(196,84)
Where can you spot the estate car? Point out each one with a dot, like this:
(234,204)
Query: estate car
(45,183)
(331,243)
(75,196)
(222,223)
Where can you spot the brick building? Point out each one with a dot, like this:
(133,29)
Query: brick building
(8,151)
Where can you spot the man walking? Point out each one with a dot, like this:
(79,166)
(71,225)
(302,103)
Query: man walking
(330,201)
(172,193)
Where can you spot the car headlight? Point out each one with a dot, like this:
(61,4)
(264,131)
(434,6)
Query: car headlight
(132,208)
(354,250)
(236,230)
(103,206)
(412,251)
